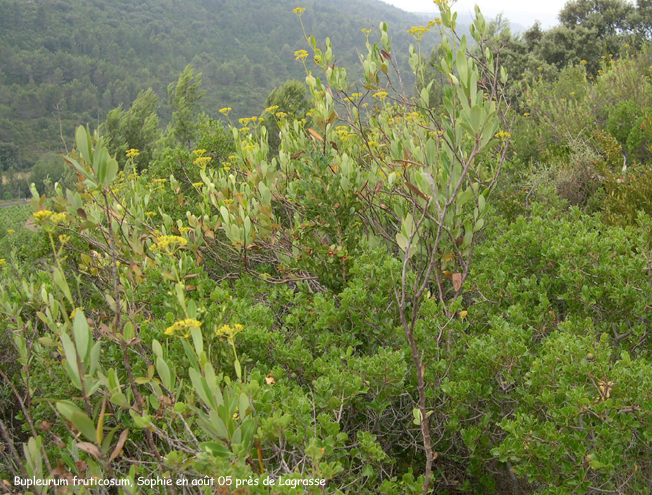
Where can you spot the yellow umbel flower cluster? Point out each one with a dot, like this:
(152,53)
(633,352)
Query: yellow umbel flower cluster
(183,327)
(164,242)
(229,331)
(300,55)
(47,215)
(41,216)
(419,31)
(132,153)
(202,161)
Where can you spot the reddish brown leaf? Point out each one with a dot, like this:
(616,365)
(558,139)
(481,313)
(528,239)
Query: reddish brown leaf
(90,448)
(119,445)
(315,134)
(415,190)
(457,281)
(385,54)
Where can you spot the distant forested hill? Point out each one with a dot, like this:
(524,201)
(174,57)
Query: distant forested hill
(68,62)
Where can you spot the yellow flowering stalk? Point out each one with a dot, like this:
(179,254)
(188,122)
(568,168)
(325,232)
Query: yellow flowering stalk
(299,11)
(183,327)
(229,331)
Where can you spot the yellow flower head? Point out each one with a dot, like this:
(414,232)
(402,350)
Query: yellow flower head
(299,11)
(74,312)
(202,161)
(43,215)
(300,55)
(418,31)
(199,152)
(271,109)
(225,110)
(183,326)
(132,153)
(503,135)
(10,231)
(381,95)
(281,115)
(3,262)
(229,331)
(165,242)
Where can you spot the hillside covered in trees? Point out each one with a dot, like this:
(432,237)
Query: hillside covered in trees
(421,270)
(63,62)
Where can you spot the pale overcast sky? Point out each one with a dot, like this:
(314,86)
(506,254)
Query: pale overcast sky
(517,11)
